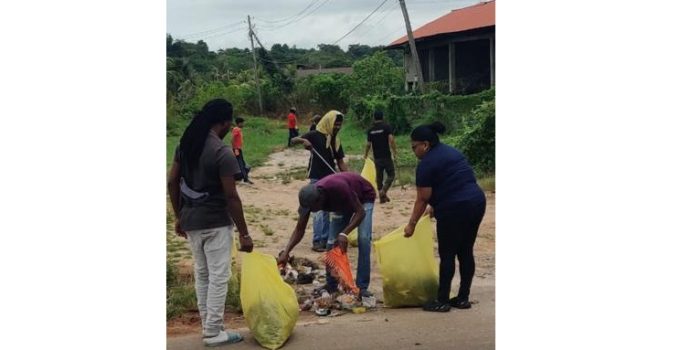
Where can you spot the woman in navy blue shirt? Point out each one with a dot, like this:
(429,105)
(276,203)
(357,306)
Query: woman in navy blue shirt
(445,181)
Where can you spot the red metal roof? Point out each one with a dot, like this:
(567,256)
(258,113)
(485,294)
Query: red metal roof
(472,17)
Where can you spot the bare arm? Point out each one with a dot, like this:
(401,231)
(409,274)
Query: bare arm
(342,165)
(299,140)
(235,209)
(393,146)
(368,148)
(423,195)
(295,238)
(357,218)
(173,190)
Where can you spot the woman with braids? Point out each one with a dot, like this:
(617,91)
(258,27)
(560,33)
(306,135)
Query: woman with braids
(446,182)
(203,195)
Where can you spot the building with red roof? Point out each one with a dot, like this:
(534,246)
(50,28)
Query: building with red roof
(457,49)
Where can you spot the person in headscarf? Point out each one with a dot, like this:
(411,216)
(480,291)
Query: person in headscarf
(327,157)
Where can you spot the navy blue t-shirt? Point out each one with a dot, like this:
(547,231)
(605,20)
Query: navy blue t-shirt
(452,179)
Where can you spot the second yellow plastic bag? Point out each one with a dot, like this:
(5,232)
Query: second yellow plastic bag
(368,173)
(269,304)
(408,267)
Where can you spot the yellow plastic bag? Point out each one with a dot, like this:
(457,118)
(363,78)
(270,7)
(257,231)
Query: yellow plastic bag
(269,304)
(407,265)
(368,173)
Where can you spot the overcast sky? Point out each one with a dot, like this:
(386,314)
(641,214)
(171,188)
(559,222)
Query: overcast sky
(222,23)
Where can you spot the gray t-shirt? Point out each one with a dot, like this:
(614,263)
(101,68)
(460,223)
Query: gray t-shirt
(217,160)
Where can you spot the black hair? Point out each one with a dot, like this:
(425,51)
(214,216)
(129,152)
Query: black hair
(378,115)
(316,119)
(293,110)
(428,133)
(239,120)
(191,144)
(339,117)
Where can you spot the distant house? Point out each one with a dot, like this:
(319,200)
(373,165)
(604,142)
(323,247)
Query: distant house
(303,71)
(457,48)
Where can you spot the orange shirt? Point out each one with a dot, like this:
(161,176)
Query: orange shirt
(291,121)
(237,138)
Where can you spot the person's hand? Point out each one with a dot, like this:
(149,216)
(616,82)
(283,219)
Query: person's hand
(308,145)
(179,231)
(246,244)
(342,243)
(409,229)
(283,258)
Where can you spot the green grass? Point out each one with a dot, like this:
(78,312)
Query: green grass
(261,136)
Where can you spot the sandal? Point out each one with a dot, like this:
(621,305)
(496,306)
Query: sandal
(436,306)
(460,303)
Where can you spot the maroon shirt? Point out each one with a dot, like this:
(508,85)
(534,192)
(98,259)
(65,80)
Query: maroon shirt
(341,187)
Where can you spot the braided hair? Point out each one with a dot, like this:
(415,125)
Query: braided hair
(191,144)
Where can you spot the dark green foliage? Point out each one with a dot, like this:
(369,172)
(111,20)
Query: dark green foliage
(406,112)
(322,92)
(478,139)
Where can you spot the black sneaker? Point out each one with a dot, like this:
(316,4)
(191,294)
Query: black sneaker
(460,303)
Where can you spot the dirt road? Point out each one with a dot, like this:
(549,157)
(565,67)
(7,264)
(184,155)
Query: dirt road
(271,212)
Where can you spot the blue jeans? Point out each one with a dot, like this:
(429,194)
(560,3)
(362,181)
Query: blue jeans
(339,222)
(320,224)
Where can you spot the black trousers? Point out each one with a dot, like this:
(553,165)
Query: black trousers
(291,134)
(242,166)
(384,165)
(456,233)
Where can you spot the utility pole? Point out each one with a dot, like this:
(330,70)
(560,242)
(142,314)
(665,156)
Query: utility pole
(412,45)
(262,46)
(257,77)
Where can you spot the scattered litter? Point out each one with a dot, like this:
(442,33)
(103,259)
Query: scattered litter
(359,310)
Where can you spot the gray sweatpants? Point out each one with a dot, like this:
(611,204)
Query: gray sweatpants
(211,249)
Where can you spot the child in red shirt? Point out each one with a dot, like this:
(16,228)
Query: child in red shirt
(292,125)
(237,147)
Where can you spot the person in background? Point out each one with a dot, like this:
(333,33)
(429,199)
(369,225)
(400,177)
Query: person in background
(349,197)
(206,204)
(327,156)
(315,120)
(446,182)
(381,139)
(292,125)
(237,147)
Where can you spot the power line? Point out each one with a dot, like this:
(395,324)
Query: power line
(294,20)
(223,34)
(286,19)
(210,31)
(362,22)
(386,12)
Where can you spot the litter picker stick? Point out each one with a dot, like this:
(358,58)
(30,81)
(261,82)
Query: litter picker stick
(324,161)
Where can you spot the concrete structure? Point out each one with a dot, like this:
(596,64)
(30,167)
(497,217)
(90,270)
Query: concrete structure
(456,50)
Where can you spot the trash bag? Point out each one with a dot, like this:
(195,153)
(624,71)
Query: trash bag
(407,265)
(368,173)
(269,304)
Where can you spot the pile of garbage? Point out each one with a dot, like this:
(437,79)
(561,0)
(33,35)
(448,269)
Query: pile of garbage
(309,278)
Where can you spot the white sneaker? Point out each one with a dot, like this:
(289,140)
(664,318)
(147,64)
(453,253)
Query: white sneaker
(222,338)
